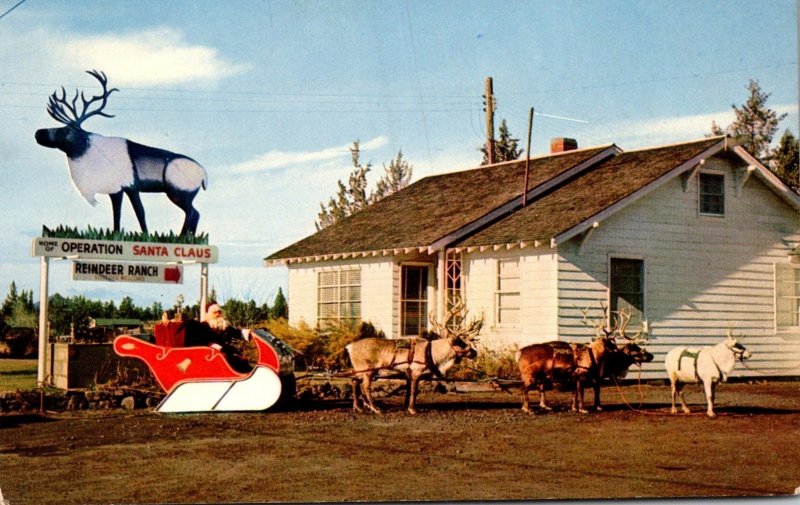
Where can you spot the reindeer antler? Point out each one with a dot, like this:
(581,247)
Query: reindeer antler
(623,318)
(467,332)
(598,325)
(731,335)
(66,112)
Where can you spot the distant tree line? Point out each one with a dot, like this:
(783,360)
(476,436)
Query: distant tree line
(19,313)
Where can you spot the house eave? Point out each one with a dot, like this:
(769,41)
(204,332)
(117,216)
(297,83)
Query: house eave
(769,178)
(327,257)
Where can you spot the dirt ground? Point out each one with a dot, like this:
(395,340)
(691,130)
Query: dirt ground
(462,446)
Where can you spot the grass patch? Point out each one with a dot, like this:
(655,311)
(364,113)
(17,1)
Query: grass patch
(91,233)
(17,374)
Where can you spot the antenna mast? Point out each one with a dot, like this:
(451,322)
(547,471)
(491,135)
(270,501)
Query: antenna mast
(527,160)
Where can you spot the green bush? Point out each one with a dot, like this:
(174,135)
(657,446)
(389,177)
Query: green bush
(488,364)
(321,349)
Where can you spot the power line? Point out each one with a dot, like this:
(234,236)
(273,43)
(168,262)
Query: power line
(11,9)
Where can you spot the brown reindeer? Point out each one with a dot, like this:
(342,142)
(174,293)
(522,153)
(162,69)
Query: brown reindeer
(542,364)
(616,363)
(424,358)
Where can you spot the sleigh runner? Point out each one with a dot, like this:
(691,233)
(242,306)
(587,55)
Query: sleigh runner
(200,379)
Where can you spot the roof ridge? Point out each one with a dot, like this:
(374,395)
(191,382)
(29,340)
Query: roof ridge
(522,160)
(716,138)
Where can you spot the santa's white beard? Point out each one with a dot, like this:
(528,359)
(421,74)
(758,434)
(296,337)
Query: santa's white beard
(217,323)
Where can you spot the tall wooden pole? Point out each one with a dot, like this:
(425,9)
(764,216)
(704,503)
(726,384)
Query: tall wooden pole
(489,120)
(527,160)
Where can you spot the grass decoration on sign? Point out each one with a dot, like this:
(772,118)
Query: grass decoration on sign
(91,233)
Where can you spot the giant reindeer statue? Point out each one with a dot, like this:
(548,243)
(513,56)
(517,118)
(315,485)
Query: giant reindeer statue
(709,365)
(117,166)
(371,356)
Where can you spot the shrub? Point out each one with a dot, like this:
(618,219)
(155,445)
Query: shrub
(490,363)
(321,349)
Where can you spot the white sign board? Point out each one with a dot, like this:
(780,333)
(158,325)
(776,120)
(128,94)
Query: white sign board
(124,251)
(127,272)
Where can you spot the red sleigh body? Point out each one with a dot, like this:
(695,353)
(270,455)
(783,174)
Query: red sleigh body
(199,379)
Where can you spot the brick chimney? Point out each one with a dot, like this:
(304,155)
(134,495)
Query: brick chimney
(562,144)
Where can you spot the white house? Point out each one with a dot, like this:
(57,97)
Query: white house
(695,238)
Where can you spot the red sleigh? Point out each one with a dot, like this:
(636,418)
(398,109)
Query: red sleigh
(199,379)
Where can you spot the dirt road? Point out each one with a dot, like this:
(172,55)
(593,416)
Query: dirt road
(473,446)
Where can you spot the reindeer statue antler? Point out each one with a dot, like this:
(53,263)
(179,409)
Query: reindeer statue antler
(66,112)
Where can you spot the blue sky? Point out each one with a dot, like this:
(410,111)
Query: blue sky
(268,95)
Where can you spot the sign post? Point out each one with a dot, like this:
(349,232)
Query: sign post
(115,261)
(43,296)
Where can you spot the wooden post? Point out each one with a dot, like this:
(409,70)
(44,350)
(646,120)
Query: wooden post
(441,285)
(44,274)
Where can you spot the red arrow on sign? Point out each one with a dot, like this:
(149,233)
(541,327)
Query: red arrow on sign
(172,274)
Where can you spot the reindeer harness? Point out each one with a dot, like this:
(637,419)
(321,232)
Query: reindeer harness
(428,361)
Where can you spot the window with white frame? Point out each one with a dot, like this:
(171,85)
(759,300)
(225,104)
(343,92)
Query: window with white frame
(787,296)
(414,301)
(507,294)
(338,296)
(712,194)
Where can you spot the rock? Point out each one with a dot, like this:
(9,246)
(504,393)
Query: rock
(76,402)
(128,403)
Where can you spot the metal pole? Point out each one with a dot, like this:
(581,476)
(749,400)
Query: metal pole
(41,375)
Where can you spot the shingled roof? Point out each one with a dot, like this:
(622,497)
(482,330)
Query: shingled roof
(584,199)
(437,206)
(570,193)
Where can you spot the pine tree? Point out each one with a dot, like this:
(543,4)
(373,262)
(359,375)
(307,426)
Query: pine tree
(353,197)
(784,160)
(279,308)
(505,147)
(396,177)
(349,199)
(10,301)
(755,123)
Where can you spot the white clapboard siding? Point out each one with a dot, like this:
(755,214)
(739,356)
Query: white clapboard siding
(538,303)
(703,274)
(377,288)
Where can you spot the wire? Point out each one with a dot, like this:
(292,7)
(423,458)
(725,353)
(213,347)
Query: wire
(11,9)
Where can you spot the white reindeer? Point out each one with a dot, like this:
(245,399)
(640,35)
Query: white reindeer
(709,365)
(117,166)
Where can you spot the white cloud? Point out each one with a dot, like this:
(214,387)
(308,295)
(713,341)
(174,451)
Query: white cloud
(280,159)
(653,131)
(158,56)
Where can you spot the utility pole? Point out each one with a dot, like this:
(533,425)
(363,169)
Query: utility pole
(490,107)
